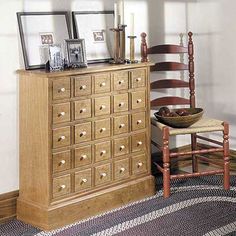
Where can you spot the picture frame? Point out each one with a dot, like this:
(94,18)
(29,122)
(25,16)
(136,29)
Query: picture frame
(94,26)
(37,31)
(56,61)
(76,53)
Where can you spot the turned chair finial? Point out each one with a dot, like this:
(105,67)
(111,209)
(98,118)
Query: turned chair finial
(144,49)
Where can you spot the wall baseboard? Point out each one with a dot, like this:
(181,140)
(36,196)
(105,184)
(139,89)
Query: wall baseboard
(8,206)
(8,200)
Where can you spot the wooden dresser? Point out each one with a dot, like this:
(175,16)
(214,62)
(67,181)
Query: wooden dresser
(84,142)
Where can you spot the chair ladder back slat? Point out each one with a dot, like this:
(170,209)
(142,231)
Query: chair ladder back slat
(167,49)
(169,66)
(165,101)
(169,83)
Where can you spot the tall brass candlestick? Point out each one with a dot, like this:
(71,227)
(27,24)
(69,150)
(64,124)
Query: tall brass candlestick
(117,51)
(132,49)
(122,40)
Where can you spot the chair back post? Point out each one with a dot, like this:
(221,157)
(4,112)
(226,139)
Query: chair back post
(144,49)
(191,70)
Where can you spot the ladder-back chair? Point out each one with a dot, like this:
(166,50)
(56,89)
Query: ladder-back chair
(204,125)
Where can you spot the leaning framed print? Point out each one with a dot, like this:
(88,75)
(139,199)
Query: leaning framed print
(76,54)
(38,30)
(94,27)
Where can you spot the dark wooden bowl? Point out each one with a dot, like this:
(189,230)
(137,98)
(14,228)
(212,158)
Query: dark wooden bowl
(181,121)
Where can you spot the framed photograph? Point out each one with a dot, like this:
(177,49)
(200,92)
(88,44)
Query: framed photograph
(38,30)
(76,54)
(55,57)
(95,27)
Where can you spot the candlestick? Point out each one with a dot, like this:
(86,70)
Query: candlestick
(115,15)
(132,50)
(132,24)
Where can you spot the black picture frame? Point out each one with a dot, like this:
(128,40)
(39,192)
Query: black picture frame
(94,27)
(76,53)
(37,31)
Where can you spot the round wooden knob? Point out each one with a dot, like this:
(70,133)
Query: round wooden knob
(61,114)
(102,130)
(138,79)
(139,100)
(62,138)
(61,90)
(83,110)
(122,126)
(122,169)
(83,157)
(121,104)
(121,81)
(63,186)
(103,175)
(83,181)
(102,84)
(103,152)
(122,147)
(139,143)
(83,133)
(62,162)
(102,107)
(139,122)
(83,87)
(140,164)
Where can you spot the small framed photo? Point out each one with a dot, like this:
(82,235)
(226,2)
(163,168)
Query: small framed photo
(55,57)
(76,54)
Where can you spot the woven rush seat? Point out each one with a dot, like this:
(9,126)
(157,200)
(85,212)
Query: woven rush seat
(202,126)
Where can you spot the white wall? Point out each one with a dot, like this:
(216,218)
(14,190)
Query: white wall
(214,35)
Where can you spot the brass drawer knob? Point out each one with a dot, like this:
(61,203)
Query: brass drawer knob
(122,147)
(139,143)
(140,164)
(61,138)
(139,122)
(62,162)
(83,87)
(83,133)
(83,181)
(103,130)
(102,107)
(83,110)
(121,81)
(102,84)
(61,114)
(139,100)
(83,157)
(63,186)
(122,126)
(122,169)
(103,152)
(103,175)
(61,90)
(121,104)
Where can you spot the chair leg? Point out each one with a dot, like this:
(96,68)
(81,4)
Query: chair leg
(194,147)
(166,162)
(226,156)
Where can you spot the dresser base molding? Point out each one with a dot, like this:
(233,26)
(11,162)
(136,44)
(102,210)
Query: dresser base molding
(59,215)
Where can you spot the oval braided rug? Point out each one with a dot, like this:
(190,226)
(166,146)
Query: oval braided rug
(197,206)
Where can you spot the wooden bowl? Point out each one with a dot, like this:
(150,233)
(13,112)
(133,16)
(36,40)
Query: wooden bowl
(181,121)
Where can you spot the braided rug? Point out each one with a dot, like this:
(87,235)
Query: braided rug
(197,206)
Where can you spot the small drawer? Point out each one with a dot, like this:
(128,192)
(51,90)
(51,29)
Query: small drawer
(121,102)
(138,121)
(138,99)
(138,142)
(61,161)
(121,146)
(139,164)
(61,186)
(102,174)
(83,156)
(102,128)
(102,83)
(102,151)
(102,106)
(138,78)
(61,113)
(121,169)
(120,80)
(83,86)
(83,180)
(61,88)
(82,109)
(61,137)
(83,132)
(121,124)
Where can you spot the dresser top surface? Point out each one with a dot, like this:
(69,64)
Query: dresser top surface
(93,68)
